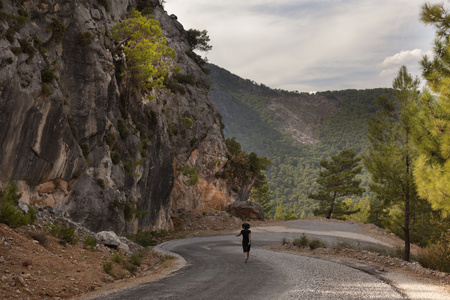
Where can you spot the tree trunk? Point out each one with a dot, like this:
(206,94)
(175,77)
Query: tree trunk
(406,233)
(406,254)
(330,211)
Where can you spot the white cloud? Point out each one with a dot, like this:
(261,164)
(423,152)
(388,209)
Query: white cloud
(404,57)
(309,44)
(410,58)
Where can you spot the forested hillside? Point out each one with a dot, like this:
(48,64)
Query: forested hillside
(294,130)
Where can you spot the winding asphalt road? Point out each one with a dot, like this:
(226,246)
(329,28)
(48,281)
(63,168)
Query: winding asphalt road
(215,269)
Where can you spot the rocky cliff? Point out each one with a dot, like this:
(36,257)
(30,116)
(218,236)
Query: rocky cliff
(73,137)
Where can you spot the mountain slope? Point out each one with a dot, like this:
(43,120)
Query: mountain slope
(294,130)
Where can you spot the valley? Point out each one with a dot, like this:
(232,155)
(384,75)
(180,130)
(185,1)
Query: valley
(294,130)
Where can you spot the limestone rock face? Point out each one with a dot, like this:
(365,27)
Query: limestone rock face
(72,136)
(246,210)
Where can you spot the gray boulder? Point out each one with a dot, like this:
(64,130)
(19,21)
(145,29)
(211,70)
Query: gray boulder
(108,238)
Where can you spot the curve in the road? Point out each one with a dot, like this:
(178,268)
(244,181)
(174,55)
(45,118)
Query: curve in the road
(215,269)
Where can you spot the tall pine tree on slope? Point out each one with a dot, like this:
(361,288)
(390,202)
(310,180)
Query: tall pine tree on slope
(432,130)
(390,158)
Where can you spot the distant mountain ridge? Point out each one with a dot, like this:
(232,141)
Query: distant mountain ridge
(294,130)
(296,113)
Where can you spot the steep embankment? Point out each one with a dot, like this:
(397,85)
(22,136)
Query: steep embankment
(75,137)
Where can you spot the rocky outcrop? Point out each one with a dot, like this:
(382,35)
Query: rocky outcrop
(246,210)
(73,137)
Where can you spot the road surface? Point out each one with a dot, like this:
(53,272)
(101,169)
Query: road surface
(215,269)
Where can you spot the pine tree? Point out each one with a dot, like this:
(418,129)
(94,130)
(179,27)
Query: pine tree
(432,115)
(280,212)
(261,193)
(390,157)
(336,182)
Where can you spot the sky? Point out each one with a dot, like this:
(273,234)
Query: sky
(311,45)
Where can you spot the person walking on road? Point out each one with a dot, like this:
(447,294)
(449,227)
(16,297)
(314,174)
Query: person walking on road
(246,239)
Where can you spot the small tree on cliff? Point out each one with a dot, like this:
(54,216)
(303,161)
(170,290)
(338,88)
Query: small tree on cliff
(336,182)
(146,51)
(198,40)
(246,172)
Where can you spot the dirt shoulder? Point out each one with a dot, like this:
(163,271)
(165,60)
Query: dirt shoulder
(48,269)
(35,265)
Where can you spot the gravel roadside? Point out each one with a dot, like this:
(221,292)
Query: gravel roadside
(412,280)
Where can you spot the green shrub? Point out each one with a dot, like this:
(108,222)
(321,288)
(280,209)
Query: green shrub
(301,242)
(144,238)
(20,21)
(84,38)
(437,256)
(108,267)
(185,78)
(130,165)
(115,157)
(101,183)
(148,238)
(45,89)
(186,122)
(135,259)
(27,48)
(151,116)
(166,258)
(111,140)
(117,258)
(201,62)
(65,233)
(191,173)
(122,128)
(145,8)
(49,73)
(58,29)
(131,268)
(174,86)
(314,244)
(10,213)
(91,243)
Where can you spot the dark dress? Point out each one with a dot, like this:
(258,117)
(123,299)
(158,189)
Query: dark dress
(245,239)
